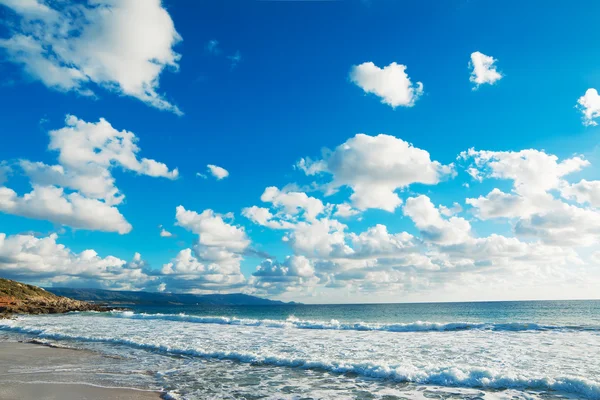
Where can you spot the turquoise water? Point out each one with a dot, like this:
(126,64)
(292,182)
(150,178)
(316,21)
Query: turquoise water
(516,350)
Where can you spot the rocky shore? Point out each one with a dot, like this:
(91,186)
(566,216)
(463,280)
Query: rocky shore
(20,298)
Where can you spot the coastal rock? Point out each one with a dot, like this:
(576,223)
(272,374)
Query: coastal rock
(20,298)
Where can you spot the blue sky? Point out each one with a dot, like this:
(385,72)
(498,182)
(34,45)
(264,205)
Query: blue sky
(256,86)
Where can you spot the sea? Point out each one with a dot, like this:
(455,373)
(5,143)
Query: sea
(483,350)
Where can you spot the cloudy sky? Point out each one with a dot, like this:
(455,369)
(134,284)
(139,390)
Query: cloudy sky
(318,151)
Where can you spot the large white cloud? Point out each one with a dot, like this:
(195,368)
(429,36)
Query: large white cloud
(483,69)
(533,204)
(589,104)
(375,167)
(80,191)
(53,204)
(43,260)
(531,170)
(390,83)
(121,45)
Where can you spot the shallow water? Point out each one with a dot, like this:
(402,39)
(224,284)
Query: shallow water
(460,350)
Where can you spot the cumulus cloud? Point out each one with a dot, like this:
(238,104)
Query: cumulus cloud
(531,170)
(80,191)
(53,204)
(213,263)
(218,172)
(345,210)
(532,204)
(390,83)
(374,167)
(378,242)
(589,104)
(483,69)
(584,192)
(432,225)
(122,46)
(43,260)
(295,273)
(293,203)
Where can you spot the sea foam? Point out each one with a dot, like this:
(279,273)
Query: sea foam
(295,323)
(485,378)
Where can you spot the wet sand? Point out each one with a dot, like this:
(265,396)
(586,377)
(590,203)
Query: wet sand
(36,372)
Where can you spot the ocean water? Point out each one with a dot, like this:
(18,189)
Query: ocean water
(496,350)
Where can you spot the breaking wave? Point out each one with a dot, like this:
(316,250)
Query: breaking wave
(484,378)
(292,322)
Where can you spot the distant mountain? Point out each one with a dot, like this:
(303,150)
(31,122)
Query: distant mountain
(156,298)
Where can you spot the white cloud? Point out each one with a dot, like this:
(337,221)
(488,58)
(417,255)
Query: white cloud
(484,70)
(293,203)
(87,152)
(294,274)
(262,216)
(589,104)
(53,204)
(218,172)
(533,206)
(433,226)
(375,167)
(377,242)
(345,210)
(498,204)
(165,233)
(324,238)
(584,192)
(26,257)
(391,83)
(212,230)
(189,273)
(450,211)
(531,170)
(564,225)
(122,46)
(214,261)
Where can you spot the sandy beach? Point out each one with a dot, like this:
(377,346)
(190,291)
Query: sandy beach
(37,372)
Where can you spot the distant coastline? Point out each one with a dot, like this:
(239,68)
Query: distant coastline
(158,298)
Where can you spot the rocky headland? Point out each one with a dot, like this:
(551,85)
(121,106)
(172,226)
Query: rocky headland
(20,298)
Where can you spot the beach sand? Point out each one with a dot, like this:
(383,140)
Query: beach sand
(37,372)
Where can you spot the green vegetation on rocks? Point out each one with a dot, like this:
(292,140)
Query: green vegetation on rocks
(20,298)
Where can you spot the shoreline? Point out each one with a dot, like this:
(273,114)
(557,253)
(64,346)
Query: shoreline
(35,371)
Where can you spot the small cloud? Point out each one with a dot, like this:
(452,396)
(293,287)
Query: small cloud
(218,172)
(199,175)
(212,46)
(589,104)
(390,83)
(164,232)
(235,59)
(484,70)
